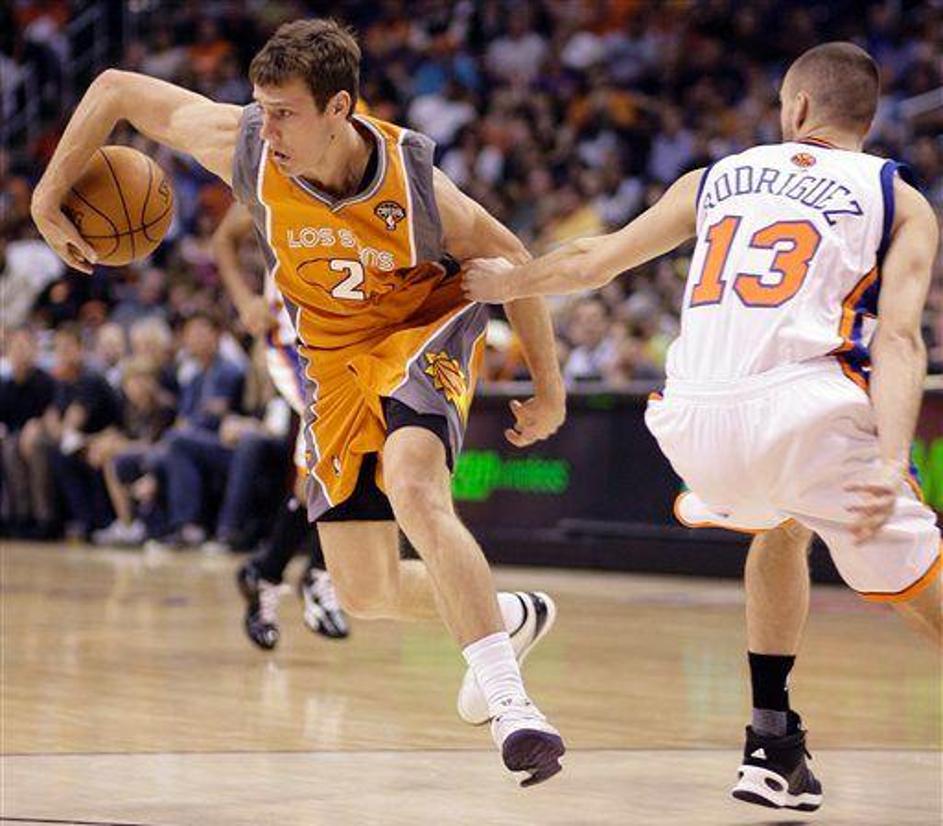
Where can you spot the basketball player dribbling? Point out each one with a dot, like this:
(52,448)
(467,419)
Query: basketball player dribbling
(793,390)
(363,236)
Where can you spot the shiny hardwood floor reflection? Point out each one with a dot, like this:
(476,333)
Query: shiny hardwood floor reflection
(131,696)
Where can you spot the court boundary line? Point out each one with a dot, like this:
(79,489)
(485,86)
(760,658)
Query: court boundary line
(69,822)
(440,750)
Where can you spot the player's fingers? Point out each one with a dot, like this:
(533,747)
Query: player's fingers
(525,412)
(515,438)
(869,487)
(72,238)
(866,527)
(865,508)
(77,261)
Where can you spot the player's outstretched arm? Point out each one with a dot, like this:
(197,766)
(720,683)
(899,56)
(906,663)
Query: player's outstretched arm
(899,355)
(471,232)
(171,115)
(589,263)
(253,309)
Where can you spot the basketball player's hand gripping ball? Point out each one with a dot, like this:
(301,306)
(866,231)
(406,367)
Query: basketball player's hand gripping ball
(118,210)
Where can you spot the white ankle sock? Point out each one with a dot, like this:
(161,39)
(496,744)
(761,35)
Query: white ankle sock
(495,666)
(512,611)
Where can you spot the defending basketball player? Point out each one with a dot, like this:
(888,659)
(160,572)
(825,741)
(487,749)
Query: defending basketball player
(794,387)
(363,236)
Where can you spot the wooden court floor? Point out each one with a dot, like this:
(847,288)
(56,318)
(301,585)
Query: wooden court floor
(130,696)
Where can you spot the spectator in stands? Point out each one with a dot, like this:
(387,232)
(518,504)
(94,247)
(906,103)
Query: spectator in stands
(517,55)
(142,299)
(123,454)
(211,388)
(630,361)
(152,340)
(111,347)
(25,393)
(83,404)
(27,267)
(593,348)
(255,454)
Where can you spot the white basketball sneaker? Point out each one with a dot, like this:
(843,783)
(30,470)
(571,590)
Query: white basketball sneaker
(540,613)
(528,743)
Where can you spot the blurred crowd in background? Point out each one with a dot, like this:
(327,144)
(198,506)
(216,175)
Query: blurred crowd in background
(563,117)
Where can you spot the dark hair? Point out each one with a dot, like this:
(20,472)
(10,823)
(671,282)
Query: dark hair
(843,82)
(322,53)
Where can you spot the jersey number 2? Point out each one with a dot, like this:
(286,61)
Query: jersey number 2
(791,263)
(349,288)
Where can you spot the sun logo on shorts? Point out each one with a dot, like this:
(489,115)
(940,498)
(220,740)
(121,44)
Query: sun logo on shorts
(803,159)
(448,378)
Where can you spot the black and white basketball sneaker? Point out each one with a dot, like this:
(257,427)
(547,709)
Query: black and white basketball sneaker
(540,613)
(322,611)
(262,597)
(774,771)
(528,743)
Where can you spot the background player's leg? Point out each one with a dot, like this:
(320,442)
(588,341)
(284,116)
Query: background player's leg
(923,612)
(288,531)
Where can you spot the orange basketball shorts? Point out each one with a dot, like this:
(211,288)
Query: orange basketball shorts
(431,367)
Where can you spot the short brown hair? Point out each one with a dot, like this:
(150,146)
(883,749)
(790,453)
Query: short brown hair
(843,82)
(322,53)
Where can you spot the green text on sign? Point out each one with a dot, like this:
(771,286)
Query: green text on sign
(929,462)
(482,472)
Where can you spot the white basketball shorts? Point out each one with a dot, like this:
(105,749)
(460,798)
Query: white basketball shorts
(759,451)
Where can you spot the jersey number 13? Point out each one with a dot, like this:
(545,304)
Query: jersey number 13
(790,263)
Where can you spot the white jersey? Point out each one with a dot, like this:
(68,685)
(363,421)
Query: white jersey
(786,267)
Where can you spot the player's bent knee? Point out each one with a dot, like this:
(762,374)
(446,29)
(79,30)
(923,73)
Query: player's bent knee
(414,496)
(363,602)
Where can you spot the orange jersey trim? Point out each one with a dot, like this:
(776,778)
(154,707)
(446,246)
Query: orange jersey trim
(847,323)
(911,590)
(914,483)
(750,531)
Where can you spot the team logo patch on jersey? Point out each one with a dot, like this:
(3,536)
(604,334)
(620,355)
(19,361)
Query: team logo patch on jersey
(448,378)
(390,212)
(803,159)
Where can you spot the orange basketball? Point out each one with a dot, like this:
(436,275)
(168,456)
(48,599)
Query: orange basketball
(122,204)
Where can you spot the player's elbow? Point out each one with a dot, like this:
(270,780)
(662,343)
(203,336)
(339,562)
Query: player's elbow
(109,82)
(109,89)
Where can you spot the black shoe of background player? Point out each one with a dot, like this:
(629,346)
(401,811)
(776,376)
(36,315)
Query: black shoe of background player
(774,771)
(262,597)
(322,611)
